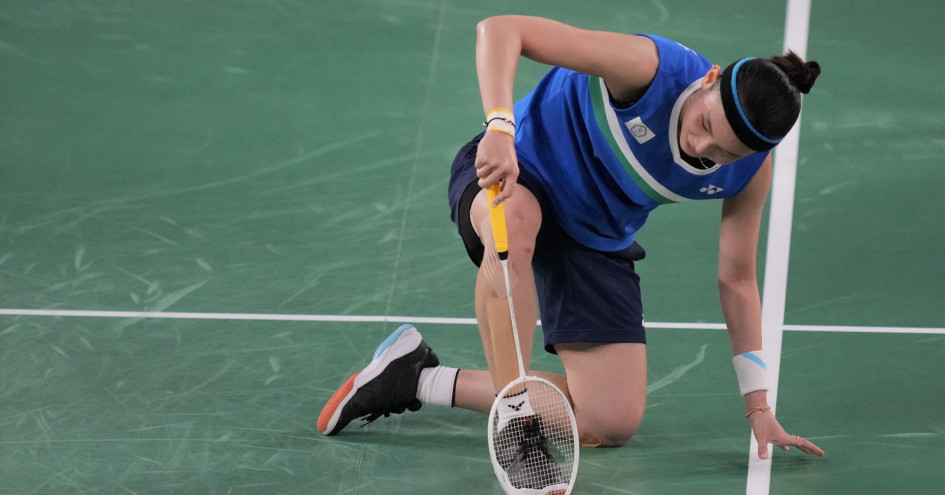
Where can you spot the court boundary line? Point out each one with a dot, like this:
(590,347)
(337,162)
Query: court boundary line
(436,320)
(780,225)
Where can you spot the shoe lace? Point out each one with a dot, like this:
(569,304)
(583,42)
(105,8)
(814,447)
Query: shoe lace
(388,409)
(533,441)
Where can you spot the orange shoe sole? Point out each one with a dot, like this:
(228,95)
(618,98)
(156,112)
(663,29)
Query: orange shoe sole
(328,412)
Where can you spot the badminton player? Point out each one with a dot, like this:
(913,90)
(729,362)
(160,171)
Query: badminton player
(619,125)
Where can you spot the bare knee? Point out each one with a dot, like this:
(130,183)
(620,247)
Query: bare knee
(613,431)
(610,437)
(607,384)
(522,217)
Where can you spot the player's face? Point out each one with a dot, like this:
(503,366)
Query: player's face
(705,132)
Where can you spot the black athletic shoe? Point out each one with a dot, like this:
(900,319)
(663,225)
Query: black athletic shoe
(388,385)
(522,452)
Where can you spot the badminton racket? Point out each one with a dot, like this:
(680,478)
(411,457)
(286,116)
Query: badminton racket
(533,437)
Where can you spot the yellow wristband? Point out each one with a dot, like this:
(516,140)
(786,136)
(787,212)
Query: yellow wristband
(504,129)
(508,117)
(500,120)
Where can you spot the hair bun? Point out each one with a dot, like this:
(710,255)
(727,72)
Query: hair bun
(806,81)
(801,74)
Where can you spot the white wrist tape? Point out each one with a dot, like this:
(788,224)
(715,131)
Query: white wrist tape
(751,370)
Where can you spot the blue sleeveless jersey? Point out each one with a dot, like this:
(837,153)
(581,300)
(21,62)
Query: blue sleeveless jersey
(604,168)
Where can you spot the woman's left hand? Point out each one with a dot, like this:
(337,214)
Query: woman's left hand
(767,430)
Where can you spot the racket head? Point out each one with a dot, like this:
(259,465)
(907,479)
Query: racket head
(550,472)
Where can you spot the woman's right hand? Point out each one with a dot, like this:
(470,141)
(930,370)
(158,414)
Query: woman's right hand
(496,161)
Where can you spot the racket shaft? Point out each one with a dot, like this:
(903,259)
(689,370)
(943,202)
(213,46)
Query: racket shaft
(500,235)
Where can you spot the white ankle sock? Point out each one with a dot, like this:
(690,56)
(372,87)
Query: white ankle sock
(437,385)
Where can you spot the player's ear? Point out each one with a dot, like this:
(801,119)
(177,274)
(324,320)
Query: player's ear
(710,77)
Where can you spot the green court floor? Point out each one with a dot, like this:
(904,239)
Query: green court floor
(211,213)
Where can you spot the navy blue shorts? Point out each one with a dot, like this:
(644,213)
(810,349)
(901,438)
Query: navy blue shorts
(584,295)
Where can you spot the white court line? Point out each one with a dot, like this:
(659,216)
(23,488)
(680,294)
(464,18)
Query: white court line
(235,316)
(778,251)
(849,329)
(435,320)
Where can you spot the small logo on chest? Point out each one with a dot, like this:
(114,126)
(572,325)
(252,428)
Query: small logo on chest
(639,130)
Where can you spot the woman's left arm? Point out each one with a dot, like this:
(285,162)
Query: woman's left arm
(738,246)
(741,302)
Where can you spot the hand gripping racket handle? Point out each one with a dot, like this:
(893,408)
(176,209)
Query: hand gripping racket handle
(497,215)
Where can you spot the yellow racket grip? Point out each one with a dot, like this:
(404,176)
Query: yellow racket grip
(497,216)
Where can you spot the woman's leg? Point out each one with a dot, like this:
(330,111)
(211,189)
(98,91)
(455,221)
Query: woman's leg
(523,220)
(606,384)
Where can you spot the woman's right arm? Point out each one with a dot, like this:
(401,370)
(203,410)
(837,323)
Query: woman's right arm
(627,64)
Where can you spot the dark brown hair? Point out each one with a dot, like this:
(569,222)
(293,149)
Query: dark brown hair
(769,93)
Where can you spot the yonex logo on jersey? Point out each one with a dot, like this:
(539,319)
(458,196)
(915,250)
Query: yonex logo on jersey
(517,407)
(710,190)
(639,130)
